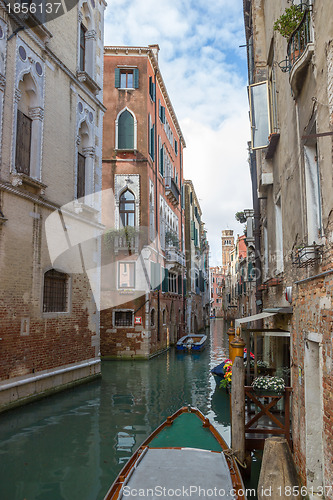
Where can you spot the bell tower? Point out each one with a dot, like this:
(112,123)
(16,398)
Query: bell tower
(228,243)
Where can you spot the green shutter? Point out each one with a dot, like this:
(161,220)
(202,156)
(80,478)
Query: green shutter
(163,114)
(184,286)
(117,78)
(192,230)
(179,287)
(161,162)
(154,92)
(136,78)
(126,130)
(165,283)
(176,147)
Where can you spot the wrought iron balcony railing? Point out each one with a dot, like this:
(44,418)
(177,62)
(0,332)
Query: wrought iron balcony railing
(298,41)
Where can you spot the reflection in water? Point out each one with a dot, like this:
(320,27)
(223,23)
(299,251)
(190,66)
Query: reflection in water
(72,445)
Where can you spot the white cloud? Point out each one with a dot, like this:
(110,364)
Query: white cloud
(205,74)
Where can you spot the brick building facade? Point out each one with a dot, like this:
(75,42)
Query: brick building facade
(291,103)
(50,135)
(143,292)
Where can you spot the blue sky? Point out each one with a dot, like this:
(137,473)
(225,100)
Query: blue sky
(204,70)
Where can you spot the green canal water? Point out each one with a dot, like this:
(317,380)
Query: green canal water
(72,445)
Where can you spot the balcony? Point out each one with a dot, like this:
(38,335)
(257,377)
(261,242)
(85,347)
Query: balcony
(174,258)
(299,53)
(85,78)
(172,191)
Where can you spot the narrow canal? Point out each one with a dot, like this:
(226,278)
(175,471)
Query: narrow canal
(72,445)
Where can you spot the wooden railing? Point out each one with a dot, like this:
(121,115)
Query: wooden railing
(273,425)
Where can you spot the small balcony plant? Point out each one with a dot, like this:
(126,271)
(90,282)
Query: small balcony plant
(266,386)
(171,239)
(288,21)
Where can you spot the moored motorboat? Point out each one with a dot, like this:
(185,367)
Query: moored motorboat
(185,456)
(191,342)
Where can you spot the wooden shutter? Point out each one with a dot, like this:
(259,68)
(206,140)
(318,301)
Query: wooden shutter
(161,162)
(23,143)
(179,288)
(117,78)
(81,176)
(192,230)
(165,282)
(136,78)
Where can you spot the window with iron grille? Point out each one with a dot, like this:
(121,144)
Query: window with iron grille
(123,318)
(55,291)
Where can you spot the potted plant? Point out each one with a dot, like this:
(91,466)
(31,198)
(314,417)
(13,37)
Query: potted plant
(171,239)
(288,21)
(227,375)
(268,386)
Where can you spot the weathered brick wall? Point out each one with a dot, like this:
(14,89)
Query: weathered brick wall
(143,340)
(313,313)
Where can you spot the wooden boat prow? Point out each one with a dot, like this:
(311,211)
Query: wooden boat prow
(186,461)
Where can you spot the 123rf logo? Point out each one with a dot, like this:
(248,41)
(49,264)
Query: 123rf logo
(36,12)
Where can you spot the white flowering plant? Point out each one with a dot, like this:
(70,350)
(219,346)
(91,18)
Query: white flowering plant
(273,384)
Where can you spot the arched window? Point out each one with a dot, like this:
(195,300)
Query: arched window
(126,130)
(164,317)
(55,293)
(24,127)
(127,208)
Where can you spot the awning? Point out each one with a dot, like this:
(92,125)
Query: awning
(279,310)
(254,317)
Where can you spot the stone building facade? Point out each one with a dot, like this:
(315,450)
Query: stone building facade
(291,96)
(217,283)
(50,137)
(197,262)
(143,294)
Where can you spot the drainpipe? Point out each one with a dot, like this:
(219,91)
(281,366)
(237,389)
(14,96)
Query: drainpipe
(257,239)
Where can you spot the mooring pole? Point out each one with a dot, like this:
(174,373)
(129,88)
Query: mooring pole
(238,400)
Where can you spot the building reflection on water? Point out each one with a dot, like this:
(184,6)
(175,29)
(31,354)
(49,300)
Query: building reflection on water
(72,445)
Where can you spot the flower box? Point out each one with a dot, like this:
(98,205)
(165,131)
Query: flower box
(268,386)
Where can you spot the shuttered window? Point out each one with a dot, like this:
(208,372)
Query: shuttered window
(151,139)
(165,284)
(192,230)
(152,89)
(81,176)
(161,157)
(126,130)
(82,47)
(126,78)
(155,275)
(23,143)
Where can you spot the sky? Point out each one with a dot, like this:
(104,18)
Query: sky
(204,70)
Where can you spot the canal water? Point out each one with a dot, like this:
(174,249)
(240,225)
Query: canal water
(71,446)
